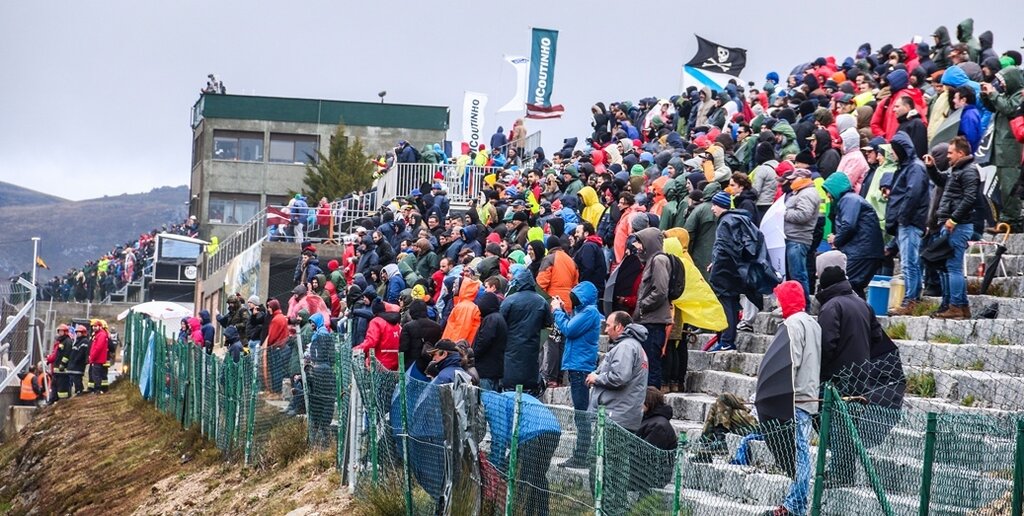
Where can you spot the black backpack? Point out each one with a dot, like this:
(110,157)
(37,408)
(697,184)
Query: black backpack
(676,278)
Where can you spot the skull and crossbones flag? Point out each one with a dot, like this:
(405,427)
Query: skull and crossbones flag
(713,57)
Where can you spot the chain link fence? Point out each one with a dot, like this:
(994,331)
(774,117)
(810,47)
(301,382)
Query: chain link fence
(407,446)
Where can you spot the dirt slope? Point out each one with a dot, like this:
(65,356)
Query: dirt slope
(114,454)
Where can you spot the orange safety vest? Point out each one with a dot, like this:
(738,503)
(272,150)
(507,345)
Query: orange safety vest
(27,392)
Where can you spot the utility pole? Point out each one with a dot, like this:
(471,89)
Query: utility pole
(32,313)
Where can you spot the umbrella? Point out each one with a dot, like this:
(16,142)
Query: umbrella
(947,129)
(159,310)
(774,398)
(773,227)
(620,282)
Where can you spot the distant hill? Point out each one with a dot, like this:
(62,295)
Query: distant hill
(75,231)
(14,195)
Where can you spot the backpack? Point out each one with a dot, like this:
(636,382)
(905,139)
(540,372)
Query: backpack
(676,278)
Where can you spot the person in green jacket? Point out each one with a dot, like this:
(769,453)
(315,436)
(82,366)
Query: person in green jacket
(701,223)
(427,155)
(571,176)
(965,35)
(673,215)
(1006,150)
(785,139)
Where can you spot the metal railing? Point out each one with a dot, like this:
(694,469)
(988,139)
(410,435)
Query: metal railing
(254,230)
(464,182)
(16,353)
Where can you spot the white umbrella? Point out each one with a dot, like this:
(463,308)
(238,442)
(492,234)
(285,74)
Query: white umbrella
(159,310)
(774,231)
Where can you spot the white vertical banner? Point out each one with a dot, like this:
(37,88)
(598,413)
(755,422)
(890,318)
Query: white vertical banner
(522,66)
(473,118)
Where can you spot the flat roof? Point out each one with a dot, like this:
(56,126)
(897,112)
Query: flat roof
(316,111)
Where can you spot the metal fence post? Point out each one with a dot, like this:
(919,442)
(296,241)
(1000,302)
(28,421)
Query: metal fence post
(929,462)
(869,468)
(823,442)
(339,400)
(373,416)
(680,457)
(250,422)
(1018,472)
(599,465)
(405,434)
(513,447)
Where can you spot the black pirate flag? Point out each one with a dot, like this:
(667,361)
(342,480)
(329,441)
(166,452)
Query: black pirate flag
(713,57)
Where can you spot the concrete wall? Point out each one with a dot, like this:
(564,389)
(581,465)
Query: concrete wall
(274,179)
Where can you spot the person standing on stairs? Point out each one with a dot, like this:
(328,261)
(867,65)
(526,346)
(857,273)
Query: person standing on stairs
(956,213)
(805,352)
(580,323)
(653,307)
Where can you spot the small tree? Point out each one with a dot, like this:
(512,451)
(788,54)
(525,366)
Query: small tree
(345,169)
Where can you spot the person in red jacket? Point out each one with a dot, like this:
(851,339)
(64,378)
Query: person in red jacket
(382,335)
(884,122)
(276,350)
(98,357)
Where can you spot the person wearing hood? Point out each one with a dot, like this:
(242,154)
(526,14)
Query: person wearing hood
(464,320)
(656,427)
(489,342)
(856,231)
(910,123)
(556,276)
(1006,150)
(701,224)
(417,334)
(906,215)
(237,316)
(785,140)
(427,155)
(526,314)
(985,46)
(391,276)
(589,256)
(592,207)
(207,329)
(763,179)
(802,335)
(368,258)
(619,384)
(826,158)
(322,387)
(582,331)
(884,121)
(803,206)
(654,308)
(941,48)
(623,228)
(853,162)
(965,35)
(673,214)
(499,140)
(382,336)
(233,343)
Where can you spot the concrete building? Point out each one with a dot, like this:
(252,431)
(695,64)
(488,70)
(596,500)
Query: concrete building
(249,151)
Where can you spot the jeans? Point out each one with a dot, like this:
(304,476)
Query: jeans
(489,384)
(796,263)
(731,305)
(909,238)
(580,401)
(652,348)
(796,500)
(954,285)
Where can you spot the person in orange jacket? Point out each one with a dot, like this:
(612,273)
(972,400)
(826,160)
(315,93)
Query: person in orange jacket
(464,319)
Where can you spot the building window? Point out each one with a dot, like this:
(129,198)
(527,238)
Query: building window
(237,146)
(299,149)
(228,208)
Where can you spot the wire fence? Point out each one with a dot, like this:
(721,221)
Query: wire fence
(871,445)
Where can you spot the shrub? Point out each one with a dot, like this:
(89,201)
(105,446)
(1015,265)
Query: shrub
(921,385)
(946,338)
(897,331)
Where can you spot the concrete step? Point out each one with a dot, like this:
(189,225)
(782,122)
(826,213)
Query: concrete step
(970,331)
(719,382)
(974,388)
(742,484)
(703,503)
(1007,307)
(746,342)
(733,362)
(839,502)
(1007,359)
(951,484)
(1014,243)
(1012,287)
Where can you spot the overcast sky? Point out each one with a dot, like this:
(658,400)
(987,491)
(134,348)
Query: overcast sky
(95,96)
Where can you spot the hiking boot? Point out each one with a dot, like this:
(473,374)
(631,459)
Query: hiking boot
(745,326)
(955,313)
(907,309)
(778,511)
(939,310)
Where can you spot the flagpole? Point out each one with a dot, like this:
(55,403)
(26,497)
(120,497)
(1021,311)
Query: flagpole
(32,314)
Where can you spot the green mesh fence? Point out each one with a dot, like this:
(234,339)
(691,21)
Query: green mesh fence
(882,441)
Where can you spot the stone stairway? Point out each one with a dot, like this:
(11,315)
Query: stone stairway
(978,371)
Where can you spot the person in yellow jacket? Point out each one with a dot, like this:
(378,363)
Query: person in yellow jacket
(592,207)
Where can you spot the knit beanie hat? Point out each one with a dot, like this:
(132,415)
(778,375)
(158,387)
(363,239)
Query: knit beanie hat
(722,199)
(637,170)
(830,276)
